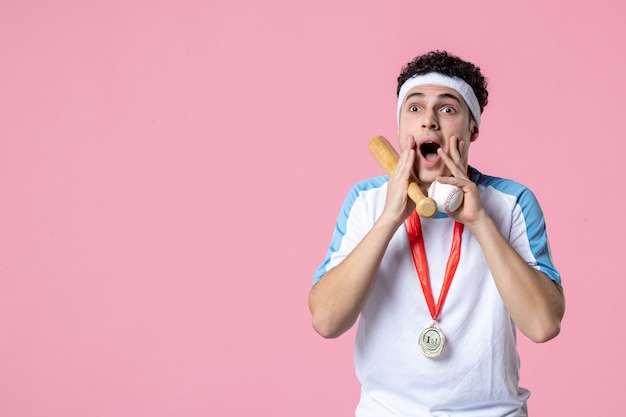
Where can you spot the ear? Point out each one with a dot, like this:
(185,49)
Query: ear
(474,131)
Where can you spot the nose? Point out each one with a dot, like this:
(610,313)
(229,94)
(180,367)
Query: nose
(429,120)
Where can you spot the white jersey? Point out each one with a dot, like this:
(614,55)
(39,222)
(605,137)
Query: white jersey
(478,372)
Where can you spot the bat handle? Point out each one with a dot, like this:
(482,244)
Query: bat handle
(387,157)
(425,206)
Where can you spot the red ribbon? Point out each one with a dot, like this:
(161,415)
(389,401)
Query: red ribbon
(414,229)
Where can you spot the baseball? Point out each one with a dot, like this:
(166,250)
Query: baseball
(447,196)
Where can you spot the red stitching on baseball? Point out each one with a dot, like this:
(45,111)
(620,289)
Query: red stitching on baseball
(449,197)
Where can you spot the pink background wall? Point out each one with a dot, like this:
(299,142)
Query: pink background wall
(170,172)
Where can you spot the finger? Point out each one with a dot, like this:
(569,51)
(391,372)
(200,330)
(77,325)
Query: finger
(454,167)
(456,150)
(462,147)
(407,158)
(458,181)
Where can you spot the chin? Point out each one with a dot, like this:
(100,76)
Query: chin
(427,177)
(430,175)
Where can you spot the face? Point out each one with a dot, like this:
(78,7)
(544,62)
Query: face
(432,115)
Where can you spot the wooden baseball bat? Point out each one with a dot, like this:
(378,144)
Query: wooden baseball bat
(387,157)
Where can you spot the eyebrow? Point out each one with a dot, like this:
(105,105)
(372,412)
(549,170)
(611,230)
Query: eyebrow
(443,95)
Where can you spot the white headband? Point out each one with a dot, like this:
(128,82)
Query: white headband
(435,78)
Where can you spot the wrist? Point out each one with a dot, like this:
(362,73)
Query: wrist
(388,224)
(481,225)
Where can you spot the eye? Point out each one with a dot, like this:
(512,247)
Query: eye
(448,110)
(414,107)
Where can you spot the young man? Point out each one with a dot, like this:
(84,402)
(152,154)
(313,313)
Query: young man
(419,352)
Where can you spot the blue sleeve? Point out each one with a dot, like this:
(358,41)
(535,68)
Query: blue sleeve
(342,220)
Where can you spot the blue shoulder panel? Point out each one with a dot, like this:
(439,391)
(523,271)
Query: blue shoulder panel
(342,219)
(533,219)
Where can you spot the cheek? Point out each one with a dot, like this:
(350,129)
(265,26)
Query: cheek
(464,133)
(402,139)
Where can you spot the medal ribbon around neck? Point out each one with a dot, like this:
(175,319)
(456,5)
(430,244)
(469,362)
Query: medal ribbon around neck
(414,230)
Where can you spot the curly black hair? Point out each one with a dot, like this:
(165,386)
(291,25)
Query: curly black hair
(450,65)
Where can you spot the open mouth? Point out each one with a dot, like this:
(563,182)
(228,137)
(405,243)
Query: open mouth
(429,150)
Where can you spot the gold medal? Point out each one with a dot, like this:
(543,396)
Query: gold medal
(432,341)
